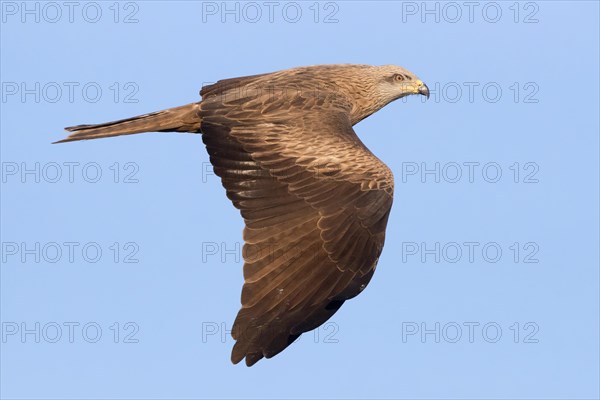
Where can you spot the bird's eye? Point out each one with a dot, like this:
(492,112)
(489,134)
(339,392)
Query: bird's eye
(398,77)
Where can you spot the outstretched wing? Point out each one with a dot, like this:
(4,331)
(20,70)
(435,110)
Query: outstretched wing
(315,202)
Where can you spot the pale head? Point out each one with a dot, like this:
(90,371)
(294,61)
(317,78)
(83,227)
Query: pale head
(398,82)
(376,86)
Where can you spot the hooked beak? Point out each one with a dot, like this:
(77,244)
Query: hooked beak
(422,89)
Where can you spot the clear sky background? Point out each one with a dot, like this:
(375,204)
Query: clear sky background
(487,286)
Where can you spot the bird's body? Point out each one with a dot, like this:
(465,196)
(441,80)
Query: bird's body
(314,199)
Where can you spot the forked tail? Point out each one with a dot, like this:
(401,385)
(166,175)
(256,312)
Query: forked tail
(178,119)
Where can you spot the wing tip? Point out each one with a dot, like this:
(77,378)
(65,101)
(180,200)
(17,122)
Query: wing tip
(239,353)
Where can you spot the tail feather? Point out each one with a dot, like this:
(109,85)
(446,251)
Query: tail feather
(178,119)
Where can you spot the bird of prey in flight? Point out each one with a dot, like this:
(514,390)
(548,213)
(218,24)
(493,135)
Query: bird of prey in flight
(314,199)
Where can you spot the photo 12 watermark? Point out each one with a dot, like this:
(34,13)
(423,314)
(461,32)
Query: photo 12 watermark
(69,332)
(69,92)
(470,12)
(70,12)
(225,252)
(481,92)
(517,172)
(72,172)
(470,252)
(270,12)
(327,333)
(470,332)
(71,252)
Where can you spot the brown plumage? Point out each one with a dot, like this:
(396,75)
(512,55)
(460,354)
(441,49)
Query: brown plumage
(314,199)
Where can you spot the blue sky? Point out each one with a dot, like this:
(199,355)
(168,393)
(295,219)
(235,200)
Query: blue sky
(121,271)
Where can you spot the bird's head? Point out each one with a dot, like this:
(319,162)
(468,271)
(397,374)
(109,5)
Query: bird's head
(395,82)
(376,86)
